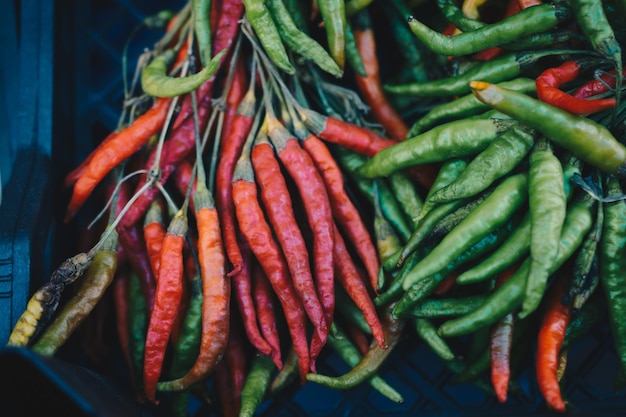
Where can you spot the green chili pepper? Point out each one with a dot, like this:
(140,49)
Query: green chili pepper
(298,41)
(514,248)
(586,277)
(155,81)
(547,206)
(527,22)
(425,227)
(202,28)
(446,307)
(593,22)
(450,221)
(425,286)
(613,264)
(256,385)
(496,161)
(188,345)
(389,205)
(465,106)
(427,331)
(355,6)
(449,171)
(394,291)
(260,19)
(392,209)
(404,190)
(287,375)
(503,68)
(510,295)
(334,16)
(371,361)
(452,140)
(587,139)
(341,344)
(517,245)
(352,53)
(138,325)
(455,15)
(584,320)
(497,208)
(298,12)
(92,288)
(478,357)
(350,312)
(387,241)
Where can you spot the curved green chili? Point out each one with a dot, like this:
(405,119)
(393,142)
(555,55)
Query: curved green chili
(352,53)
(446,307)
(510,295)
(465,106)
(613,264)
(202,28)
(496,161)
(340,342)
(298,41)
(371,361)
(334,16)
(449,171)
(425,286)
(264,27)
(547,206)
(587,139)
(502,68)
(404,190)
(452,140)
(155,81)
(427,331)
(256,385)
(529,21)
(497,208)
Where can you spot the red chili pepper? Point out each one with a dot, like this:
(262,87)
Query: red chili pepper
(166,301)
(548,83)
(153,233)
(223,385)
(77,172)
(349,278)
(216,292)
(358,337)
(258,234)
(279,209)
(236,359)
(120,300)
(235,134)
(182,176)
(243,293)
(264,301)
(551,336)
(524,4)
(500,343)
(120,147)
(371,88)
(595,87)
(316,203)
(353,137)
(446,284)
(344,211)
(133,245)
(235,95)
